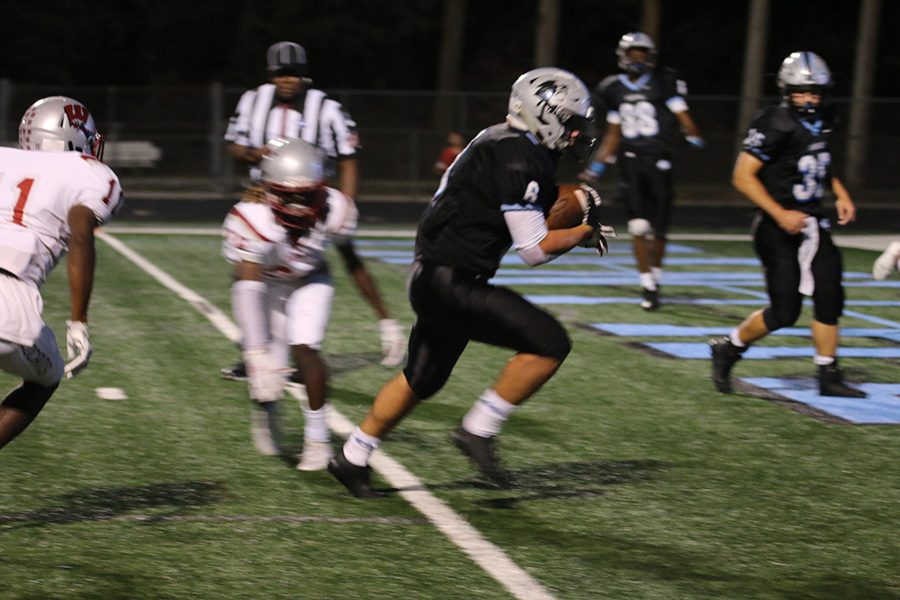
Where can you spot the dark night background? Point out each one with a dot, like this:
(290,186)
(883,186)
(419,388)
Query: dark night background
(395,45)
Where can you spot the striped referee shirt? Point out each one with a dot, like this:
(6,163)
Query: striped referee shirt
(259,117)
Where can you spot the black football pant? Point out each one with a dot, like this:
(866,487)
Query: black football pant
(777,249)
(453,307)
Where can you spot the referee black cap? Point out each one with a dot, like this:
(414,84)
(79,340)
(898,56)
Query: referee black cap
(286,58)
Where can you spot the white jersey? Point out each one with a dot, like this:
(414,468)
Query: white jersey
(37,191)
(322,122)
(250,233)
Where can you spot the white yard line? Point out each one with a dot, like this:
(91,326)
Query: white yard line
(486,555)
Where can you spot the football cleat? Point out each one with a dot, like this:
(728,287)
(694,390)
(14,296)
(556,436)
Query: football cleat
(831,383)
(482,452)
(887,263)
(264,430)
(356,479)
(724,355)
(315,456)
(236,372)
(650,299)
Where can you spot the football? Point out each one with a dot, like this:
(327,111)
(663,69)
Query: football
(569,208)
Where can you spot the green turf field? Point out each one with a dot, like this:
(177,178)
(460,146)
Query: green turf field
(635,479)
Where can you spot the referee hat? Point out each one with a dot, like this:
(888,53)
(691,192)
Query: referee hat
(286,58)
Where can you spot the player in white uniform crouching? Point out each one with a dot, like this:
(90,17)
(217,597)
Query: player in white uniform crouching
(53,193)
(281,296)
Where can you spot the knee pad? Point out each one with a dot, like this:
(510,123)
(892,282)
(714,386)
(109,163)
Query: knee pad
(640,227)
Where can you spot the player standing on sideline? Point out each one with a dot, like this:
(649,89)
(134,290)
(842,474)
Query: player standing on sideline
(784,169)
(496,194)
(281,295)
(288,107)
(53,193)
(646,107)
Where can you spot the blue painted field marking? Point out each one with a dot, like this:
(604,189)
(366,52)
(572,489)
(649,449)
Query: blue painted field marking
(697,350)
(651,330)
(551,299)
(881,406)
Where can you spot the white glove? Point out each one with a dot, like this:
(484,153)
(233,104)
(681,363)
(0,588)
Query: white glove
(265,376)
(393,342)
(78,345)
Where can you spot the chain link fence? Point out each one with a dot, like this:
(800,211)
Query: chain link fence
(170,138)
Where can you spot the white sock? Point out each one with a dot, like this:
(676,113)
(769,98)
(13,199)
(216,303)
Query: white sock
(487,415)
(359,446)
(820,360)
(647,281)
(315,424)
(657,273)
(735,338)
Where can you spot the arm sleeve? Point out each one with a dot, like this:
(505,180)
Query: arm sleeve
(527,229)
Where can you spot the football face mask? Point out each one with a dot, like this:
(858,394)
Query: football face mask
(297,210)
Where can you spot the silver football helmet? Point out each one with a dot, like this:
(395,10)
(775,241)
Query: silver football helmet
(804,72)
(638,40)
(555,106)
(293,173)
(60,124)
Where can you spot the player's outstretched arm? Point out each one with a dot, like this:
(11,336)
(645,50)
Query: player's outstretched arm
(80,267)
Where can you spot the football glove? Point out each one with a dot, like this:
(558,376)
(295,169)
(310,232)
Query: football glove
(393,342)
(78,346)
(265,377)
(599,240)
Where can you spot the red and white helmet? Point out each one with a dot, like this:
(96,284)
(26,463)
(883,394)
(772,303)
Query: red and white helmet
(293,173)
(60,124)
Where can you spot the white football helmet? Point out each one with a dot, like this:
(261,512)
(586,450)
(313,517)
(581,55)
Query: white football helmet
(293,173)
(804,72)
(60,124)
(639,40)
(555,106)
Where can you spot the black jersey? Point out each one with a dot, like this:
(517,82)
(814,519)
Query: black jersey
(644,109)
(502,169)
(796,157)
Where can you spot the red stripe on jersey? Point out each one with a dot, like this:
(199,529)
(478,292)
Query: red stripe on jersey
(238,214)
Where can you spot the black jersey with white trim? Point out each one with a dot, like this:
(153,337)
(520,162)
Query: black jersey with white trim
(502,169)
(644,109)
(796,155)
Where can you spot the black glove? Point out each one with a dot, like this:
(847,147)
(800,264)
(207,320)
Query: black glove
(602,233)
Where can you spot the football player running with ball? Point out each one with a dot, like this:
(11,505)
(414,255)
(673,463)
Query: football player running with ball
(281,296)
(495,195)
(54,193)
(784,169)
